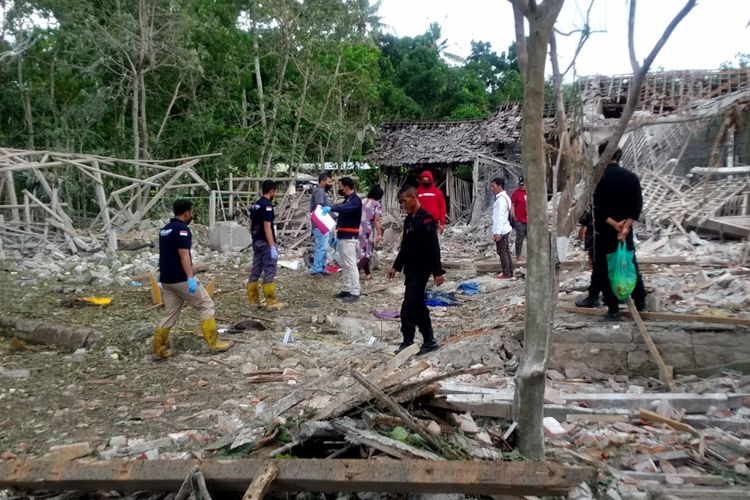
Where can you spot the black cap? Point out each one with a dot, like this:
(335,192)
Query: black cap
(521,182)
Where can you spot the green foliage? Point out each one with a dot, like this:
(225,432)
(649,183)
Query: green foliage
(328,73)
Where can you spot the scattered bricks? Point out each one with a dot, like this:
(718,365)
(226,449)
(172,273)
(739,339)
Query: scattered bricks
(553,428)
(15,373)
(465,423)
(434,428)
(68,452)
(484,438)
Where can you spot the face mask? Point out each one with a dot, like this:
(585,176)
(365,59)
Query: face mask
(189,220)
(426,183)
(328,187)
(341,192)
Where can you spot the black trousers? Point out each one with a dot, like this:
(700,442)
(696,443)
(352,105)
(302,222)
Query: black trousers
(414,312)
(503,251)
(600,282)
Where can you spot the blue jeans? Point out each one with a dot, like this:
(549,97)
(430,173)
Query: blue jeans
(321,251)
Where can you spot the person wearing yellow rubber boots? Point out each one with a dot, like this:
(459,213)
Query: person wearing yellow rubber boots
(179,285)
(265,251)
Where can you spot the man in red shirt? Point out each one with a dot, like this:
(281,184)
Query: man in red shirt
(518,210)
(432,199)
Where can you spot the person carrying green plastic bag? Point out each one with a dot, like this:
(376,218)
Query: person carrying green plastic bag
(617,204)
(622,273)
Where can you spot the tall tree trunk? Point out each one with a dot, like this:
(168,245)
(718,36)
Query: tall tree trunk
(144,122)
(269,139)
(298,122)
(134,117)
(258,77)
(529,396)
(26,102)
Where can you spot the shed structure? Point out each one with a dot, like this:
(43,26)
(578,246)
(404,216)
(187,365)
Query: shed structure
(462,155)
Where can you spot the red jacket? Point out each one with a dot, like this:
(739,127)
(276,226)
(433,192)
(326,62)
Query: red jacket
(431,198)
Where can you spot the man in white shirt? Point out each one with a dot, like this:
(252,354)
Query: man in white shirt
(501,227)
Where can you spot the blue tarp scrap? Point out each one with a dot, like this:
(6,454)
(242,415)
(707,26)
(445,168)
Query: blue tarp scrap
(439,299)
(468,287)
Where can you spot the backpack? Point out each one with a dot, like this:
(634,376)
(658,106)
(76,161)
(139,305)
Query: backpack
(511,220)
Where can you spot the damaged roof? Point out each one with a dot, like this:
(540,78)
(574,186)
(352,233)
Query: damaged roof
(412,143)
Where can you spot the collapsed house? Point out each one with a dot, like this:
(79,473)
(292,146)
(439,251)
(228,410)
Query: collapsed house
(687,141)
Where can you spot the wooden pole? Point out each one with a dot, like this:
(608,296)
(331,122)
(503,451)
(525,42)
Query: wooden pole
(10,187)
(664,370)
(212,209)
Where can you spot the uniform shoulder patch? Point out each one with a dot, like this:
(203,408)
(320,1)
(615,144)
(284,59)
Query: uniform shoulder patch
(427,220)
(269,208)
(184,232)
(165,232)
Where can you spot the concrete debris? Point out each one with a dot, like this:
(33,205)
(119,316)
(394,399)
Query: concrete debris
(265,398)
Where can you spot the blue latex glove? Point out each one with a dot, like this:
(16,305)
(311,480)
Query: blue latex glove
(274,252)
(325,210)
(192,284)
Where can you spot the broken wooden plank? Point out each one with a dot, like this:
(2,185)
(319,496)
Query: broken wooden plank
(499,406)
(262,483)
(358,395)
(326,475)
(698,479)
(408,420)
(650,416)
(664,316)
(664,371)
(385,444)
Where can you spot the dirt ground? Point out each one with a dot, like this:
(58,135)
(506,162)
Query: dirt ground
(115,389)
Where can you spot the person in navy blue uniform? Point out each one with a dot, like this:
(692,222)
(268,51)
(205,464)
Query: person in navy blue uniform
(418,258)
(265,249)
(179,285)
(347,232)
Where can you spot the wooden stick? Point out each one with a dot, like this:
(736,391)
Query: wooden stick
(674,424)
(407,419)
(664,370)
(262,483)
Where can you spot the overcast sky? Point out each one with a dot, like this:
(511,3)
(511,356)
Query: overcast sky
(713,32)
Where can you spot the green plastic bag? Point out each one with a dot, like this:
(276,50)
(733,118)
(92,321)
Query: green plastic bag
(622,274)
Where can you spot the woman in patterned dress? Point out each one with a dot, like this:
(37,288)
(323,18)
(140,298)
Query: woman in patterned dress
(370,230)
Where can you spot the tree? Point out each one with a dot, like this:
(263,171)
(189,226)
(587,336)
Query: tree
(541,284)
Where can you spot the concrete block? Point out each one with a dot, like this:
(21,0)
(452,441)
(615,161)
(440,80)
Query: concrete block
(230,237)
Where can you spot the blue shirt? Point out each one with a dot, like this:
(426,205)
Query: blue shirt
(172,237)
(261,211)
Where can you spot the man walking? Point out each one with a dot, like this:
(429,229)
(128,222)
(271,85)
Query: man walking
(431,199)
(418,258)
(320,197)
(347,234)
(518,211)
(265,250)
(501,227)
(617,205)
(179,285)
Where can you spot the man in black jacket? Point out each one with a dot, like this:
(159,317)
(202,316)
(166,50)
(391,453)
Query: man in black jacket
(418,258)
(617,205)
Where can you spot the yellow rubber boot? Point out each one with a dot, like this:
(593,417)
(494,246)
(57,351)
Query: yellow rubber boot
(161,343)
(269,291)
(211,335)
(252,294)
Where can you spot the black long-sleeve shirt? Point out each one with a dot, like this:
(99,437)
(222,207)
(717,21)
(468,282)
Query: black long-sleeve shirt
(618,195)
(350,216)
(420,248)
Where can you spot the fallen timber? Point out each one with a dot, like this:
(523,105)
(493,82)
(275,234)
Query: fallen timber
(323,475)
